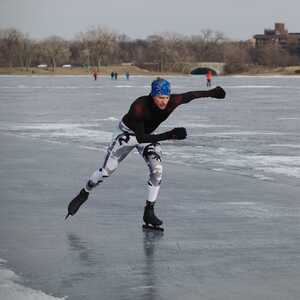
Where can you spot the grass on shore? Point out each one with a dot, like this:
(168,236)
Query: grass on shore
(121,70)
(240,69)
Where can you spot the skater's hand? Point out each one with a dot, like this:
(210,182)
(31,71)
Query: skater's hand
(218,93)
(178,133)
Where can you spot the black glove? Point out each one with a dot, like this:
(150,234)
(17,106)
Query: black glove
(218,93)
(178,133)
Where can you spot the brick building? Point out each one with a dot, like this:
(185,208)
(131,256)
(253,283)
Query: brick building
(279,36)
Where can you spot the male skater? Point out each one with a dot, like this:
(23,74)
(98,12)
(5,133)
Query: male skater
(135,130)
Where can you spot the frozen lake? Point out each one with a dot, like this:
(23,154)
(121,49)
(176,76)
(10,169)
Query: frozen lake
(255,133)
(229,198)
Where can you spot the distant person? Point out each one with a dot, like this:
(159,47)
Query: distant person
(112,75)
(208,78)
(135,131)
(95,74)
(116,75)
(127,75)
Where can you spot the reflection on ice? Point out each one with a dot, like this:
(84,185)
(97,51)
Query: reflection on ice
(151,239)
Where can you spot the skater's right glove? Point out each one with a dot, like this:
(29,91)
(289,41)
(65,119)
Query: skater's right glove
(218,93)
(178,133)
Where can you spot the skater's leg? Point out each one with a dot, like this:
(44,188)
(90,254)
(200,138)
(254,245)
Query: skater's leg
(117,151)
(152,155)
(120,147)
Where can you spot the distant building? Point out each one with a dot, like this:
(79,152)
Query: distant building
(251,42)
(279,36)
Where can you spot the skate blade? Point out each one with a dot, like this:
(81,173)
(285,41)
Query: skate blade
(154,228)
(67,216)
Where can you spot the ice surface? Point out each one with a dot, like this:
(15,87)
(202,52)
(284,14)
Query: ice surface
(12,289)
(229,198)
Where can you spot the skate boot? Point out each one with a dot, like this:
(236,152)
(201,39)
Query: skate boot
(150,219)
(77,202)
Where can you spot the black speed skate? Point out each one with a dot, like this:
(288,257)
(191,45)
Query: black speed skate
(150,219)
(75,204)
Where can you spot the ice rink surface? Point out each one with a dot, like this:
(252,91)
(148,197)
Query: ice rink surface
(229,198)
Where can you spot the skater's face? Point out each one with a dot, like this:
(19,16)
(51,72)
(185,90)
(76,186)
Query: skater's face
(161,101)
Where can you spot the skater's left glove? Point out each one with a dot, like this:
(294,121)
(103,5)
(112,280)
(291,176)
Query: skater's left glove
(218,93)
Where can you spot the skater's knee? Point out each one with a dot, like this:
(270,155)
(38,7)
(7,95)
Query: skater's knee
(158,169)
(106,172)
(109,167)
(156,175)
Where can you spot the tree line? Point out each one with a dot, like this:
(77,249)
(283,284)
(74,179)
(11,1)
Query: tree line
(100,46)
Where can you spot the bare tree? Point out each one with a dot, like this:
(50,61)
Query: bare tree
(56,51)
(26,52)
(160,52)
(139,50)
(236,53)
(273,56)
(126,48)
(207,46)
(101,44)
(75,53)
(10,46)
(163,49)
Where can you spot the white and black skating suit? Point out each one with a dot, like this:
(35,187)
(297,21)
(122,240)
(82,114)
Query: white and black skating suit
(136,131)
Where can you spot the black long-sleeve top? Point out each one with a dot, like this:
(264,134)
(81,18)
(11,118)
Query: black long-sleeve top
(144,116)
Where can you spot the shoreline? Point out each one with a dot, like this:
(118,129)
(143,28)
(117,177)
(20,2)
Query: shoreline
(133,70)
(262,71)
(103,71)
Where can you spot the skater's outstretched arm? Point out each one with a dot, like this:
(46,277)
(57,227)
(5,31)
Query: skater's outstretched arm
(217,93)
